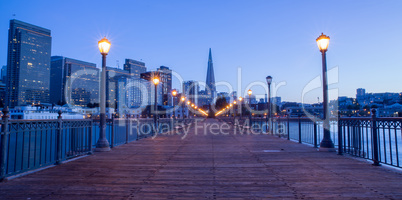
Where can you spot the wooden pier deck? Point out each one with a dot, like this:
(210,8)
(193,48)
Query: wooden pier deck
(210,166)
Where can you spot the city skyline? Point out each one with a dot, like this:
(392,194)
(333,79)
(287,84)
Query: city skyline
(267,38)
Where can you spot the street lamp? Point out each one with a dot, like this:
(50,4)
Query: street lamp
(174,93)
(103,144)
(249,92)
(182,106)
(269,81)
(326,143)
(235,109)
(155,80)
(241,109)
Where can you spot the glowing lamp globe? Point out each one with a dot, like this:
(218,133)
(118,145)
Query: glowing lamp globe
(156,81)
(323,42)
(104,46)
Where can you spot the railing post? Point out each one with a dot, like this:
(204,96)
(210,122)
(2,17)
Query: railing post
(278,121)
(137,129)
(315,133)
(3,149)
(112,134)
(300,140)
(340,139)
(59,138)
(288,126)
(127,127)
(376,162)
(90,136)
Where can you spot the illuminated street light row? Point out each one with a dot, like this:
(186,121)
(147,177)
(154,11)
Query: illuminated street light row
(104,47)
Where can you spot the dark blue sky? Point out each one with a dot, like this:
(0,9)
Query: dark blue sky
(262,38)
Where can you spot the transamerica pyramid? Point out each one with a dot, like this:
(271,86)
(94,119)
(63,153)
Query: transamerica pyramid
(210,83)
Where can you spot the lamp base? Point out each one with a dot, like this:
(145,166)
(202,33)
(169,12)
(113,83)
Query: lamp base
(102,149)
(326,149)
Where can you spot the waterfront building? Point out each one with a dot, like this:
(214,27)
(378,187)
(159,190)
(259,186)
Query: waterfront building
(138,92)
(151,90)
(166,83)
(116,81)
(73,81)
(28,64)
(276,101)
(191,90)
(135,68)
(4,74)
(203,99)
(2,94)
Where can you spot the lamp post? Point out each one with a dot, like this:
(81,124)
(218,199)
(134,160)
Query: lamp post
(103,144)
(249,92)
(156,82)
(241,107)
(269,116)
(326,143)
(188,109)
(174,93)
(235,109)
(182,106)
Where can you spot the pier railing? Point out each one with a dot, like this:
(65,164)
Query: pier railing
(27,145)
(376,139)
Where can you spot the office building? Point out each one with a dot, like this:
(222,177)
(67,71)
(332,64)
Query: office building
(135,68)
(73,81)
(138,93)
(166,83)
(190,91)
(4,74)
(28,64)
(116,81)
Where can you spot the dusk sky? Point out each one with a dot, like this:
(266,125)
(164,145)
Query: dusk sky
(262,38)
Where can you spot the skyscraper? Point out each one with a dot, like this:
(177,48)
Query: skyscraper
(210,82)
(135,68)
(166,82)
(190,90)
(4,74)
(151,91)
(28,64)
(116,81)
(73,81)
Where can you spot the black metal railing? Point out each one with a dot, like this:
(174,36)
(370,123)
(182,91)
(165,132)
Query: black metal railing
(377,139)
(30,144)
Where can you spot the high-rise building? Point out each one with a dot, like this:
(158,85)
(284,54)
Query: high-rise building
(135,68)
(4,74)
(210,82)
(28,64)
(116,81)
(138,93)
(203,98)
(73,81)
(148,76)
(360,95)
(166,80)
(360,92)
(190,91)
